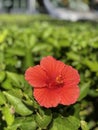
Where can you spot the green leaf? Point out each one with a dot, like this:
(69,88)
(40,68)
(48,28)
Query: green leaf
(68,123)
(2,76)
(16,79)
(22,123)
(41,47)
(17,51)
(93,93)
(3,36)
(93,65)
(28,59)
(43,118)
(19,107)
(16,92)
(2,99)
(73,56)
(47,33)
(8,116)
(28,124)
(6,84)
(84,89)
(77,108)
(84,125)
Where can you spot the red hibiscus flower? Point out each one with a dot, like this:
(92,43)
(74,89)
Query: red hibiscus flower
(54,82)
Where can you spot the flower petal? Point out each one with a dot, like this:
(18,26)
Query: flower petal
(69,95)
(36,76)
(70,76)
(52,66)
(47,97)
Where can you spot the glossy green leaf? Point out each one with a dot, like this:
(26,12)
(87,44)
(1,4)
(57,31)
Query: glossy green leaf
(16,92)
(27,123)
(8,116)
(2,99)
(7,84)
(68,123)
(43,118)
(19,107)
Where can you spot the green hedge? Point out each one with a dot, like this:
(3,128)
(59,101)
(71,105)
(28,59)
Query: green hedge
(24,40)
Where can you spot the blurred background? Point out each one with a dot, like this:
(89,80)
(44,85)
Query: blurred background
(63,9)
(31,30)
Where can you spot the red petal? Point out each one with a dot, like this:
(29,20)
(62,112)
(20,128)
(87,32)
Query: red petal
(47,97)
(70,76)
(36,76)
(69,95)
(52,66)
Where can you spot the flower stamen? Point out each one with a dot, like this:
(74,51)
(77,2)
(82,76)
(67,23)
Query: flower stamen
(59,80)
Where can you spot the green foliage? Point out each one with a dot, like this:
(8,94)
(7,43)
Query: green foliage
(8,116)
(84,125)
(19,107)
(67,123)
(43,118)
(27,123)
(24,40)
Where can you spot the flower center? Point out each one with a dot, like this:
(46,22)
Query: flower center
(58,82)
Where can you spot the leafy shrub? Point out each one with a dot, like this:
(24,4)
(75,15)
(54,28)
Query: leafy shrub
(24,40)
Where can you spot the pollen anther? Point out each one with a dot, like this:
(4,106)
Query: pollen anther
(59,79)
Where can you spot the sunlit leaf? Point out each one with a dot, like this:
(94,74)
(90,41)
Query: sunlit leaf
(2,99)
(8,116)
(27,123)
(84,125)
(20,108)
(68,123)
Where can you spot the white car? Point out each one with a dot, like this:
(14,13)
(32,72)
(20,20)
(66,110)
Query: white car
(70,10)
